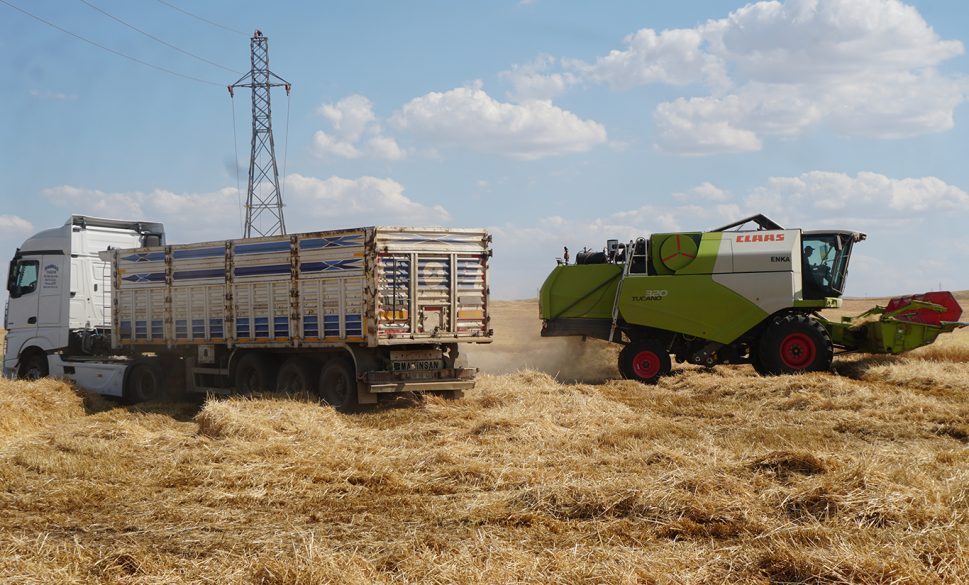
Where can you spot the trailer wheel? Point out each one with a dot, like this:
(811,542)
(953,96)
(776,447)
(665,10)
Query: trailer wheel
(644,361)
(795,343)
(338,385)
(298,376)
(144,383)
(255,373)
(33,365)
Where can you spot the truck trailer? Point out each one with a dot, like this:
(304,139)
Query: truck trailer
(353,315)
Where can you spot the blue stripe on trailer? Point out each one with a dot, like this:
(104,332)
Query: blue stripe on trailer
(280,326)
(433,240)
(198,328)
(337,242)
(242,328)
(330,265)
(262,248)
(354,325)
(262,327)
(151,277)
(181,329)
(311,326)
(144,257)
(141,329)
(262,270)
(198,253)
(331,325)
(157,329)
(216,328)
(198,274)
(125,330)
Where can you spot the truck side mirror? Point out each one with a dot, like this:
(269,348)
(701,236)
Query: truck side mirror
(12,275)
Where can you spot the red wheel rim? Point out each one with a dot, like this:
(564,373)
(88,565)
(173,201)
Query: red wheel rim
(798,351)
(646,364)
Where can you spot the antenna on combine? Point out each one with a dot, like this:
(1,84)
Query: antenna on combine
(264,202)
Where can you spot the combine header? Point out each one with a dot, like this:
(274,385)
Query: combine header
(731,296)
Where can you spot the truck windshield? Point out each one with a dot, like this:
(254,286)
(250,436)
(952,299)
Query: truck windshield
(824,264)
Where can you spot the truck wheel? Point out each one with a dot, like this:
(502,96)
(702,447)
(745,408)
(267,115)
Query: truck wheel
(795,343)
(255,373)
(144,383)
(298,376)
(644,361)
(33,365)
(338,385)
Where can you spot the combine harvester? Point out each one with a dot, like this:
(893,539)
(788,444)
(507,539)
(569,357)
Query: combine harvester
(731,296)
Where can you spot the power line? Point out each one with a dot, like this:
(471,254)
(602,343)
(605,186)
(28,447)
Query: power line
(109,49)
(206,20)
(156,39)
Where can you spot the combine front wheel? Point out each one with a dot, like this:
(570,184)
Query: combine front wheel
(644,361)
(795,343)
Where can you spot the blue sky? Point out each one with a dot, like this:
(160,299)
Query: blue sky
(551,123)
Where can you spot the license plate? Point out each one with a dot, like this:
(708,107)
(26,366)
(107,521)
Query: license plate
(418,365)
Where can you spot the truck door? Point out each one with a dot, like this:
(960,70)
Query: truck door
(22,284)
(53,280)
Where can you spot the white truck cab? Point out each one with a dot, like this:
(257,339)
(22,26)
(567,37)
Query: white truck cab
(59,291)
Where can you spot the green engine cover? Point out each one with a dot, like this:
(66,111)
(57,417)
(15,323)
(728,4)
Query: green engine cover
(580,291)
(689,304)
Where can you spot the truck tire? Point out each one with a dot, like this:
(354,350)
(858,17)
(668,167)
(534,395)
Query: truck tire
(795,343)
(144,382)
(338,385)
(644,360)
(298,376)
(256,372)
(33,365)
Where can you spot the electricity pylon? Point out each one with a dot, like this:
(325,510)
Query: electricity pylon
(264,201)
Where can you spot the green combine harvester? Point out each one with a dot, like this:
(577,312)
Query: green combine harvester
(731,296)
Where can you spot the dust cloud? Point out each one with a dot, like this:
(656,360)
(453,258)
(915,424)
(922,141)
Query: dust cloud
(518,345)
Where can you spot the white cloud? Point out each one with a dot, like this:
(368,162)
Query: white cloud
(46,94)
(14,224)
(468,117)
(532,81)
(311,204)
(705,191)
(337,202)
(865,195)
(187,216)
(775,69)
(354,132)
(674,57)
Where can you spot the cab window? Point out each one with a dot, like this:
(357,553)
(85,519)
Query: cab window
(23,278)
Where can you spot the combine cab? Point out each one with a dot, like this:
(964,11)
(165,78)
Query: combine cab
(731,296)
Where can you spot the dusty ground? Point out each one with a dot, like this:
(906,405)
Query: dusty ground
(721,476)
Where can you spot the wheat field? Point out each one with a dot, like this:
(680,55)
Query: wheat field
(551,471)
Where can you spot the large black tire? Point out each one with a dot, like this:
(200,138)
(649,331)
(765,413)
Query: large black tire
(255,372)
(794,343)
(338,385)
(144,382)
(644,360)
(298,376)
(33,365)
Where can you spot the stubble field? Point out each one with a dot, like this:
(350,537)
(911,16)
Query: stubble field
(556,473)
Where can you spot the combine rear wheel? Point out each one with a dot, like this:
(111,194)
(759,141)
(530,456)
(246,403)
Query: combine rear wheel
(645,361)
(794,343)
